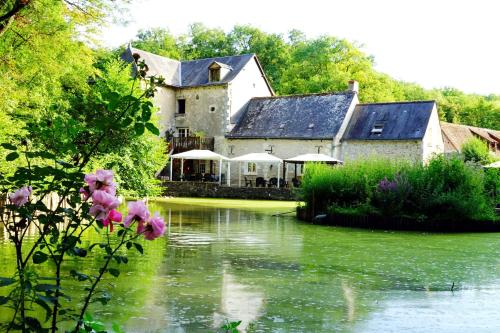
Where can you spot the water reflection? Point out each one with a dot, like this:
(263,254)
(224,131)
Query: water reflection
(279,275)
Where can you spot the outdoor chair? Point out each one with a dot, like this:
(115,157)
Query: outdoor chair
(273,182)
(248,182)
(260,181)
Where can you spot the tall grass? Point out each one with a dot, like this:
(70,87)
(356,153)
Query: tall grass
(444,189)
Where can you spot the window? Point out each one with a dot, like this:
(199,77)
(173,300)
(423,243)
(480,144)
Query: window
(181,106)
(202,167)
(214,74)
(378,127)
(183,132)
(212,108)
(251,168)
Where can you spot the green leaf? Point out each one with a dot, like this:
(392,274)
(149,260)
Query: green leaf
(139,129)
(12,156)
(152,128)
(139,248)
(4,300)
(6,281)
(129,245)
(8,146)
(113,271)
(126,122)
(39,257)
(146,114)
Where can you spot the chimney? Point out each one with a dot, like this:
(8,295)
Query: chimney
(353,86)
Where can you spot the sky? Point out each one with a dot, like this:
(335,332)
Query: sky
(435,43)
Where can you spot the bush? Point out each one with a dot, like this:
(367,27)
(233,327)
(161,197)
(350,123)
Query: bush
(475,150)
(447,189)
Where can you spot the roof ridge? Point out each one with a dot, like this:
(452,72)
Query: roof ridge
(154,54)
(402,102)
(212,58)
(304,95)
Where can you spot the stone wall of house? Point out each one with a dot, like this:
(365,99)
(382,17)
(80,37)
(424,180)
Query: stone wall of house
(390,149)
(214,190)
(432,142)
(165,101)
(206,108)
(248,84)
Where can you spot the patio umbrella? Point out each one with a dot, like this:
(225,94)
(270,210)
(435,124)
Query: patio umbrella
(200,154)
(258,157)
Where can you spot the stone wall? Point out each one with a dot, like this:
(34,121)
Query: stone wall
(214,190)
(389,149)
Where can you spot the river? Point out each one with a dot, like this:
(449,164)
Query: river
(238,260)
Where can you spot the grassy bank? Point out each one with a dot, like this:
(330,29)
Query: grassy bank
(255,205)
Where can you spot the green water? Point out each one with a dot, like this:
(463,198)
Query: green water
(227,261)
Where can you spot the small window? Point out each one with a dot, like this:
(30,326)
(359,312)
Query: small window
(251,168)
(183,132)
(378,127)
(212,108)
(181,106)
(214,74)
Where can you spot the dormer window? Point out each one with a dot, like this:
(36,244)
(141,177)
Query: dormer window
(214,75)
(217,71)
(378,127)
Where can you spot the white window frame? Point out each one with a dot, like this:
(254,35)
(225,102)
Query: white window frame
(251,168)
(185,132)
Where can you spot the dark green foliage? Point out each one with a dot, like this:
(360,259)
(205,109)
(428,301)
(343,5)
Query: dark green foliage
(446,189)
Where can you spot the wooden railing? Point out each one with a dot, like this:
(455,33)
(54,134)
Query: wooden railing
(178,145)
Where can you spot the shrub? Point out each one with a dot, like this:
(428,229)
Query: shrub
(475,150)
(447,189)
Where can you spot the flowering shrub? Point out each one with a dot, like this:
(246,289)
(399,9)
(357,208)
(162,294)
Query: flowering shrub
(84,201)
(446,189)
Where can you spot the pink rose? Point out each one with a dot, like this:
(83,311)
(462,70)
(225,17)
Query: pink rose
(102,204)
(154,228)
(101,180)
(137,211)
(21,196)
(113,216)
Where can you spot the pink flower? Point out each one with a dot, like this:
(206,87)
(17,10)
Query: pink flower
(154,228)
(102,203)
(21,196)
(137,211)
(113,216)
(101,180)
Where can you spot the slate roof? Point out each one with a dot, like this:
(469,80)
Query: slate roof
(315,116)
(169,69)
(400,121)
(195,72)
(192,73)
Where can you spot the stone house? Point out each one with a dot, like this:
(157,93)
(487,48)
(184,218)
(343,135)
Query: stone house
(227,105)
